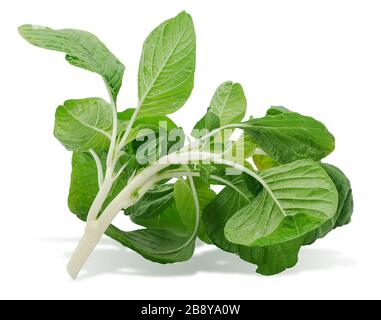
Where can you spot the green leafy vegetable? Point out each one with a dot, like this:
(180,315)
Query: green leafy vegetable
(138,161)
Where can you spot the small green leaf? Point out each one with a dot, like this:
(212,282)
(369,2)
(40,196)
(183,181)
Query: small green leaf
(299,197)
(84,124)
(229,103)
(290,136)
(167,65)
(83,50)
(156,245)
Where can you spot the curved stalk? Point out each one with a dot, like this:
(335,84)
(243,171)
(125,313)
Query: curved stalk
(99,167)
(130,194)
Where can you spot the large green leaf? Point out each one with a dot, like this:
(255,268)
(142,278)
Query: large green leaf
(290,136)
(82,49)
(270,259)
(167,65)
(297,198)
(344,208)
(84,124)
(156,245)
(84,181)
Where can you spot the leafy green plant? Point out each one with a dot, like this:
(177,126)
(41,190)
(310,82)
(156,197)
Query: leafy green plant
(276,195)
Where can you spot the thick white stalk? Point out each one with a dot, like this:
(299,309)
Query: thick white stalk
(101,196)
(96,228)
(130,194)
(107,182)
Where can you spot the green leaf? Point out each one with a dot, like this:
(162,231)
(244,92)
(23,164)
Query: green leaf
(264,162)
(157,210)
(290,136)
(81,125)
(155,245)
(270,259)
(219,211)
(344,208)
(84,181)
(171,207)
(83,50)
(185,202)
(229,103)
(244,147)
(209,122)
(297,198)
(274,110)
(167,65)
(157,121)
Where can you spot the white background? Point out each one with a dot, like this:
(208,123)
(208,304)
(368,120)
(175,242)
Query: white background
(320,58)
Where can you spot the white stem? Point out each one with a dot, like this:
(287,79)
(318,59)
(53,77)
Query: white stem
(99,167)
(110,153)
(101,196)
(177,174)
(130,194)
(127,132)
(95,229)
(120,171)
(107,182)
